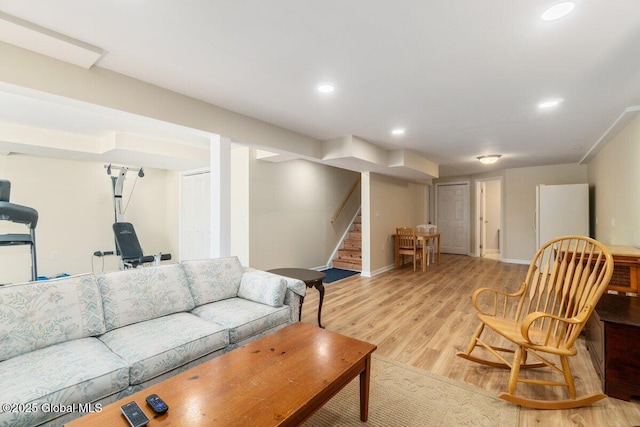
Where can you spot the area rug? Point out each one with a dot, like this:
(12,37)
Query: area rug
(405,396)
(335,274)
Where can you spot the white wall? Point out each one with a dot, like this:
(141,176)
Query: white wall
(75,205)
(290,209)
(614,174)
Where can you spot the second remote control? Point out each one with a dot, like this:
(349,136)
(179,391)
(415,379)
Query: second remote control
(157,404)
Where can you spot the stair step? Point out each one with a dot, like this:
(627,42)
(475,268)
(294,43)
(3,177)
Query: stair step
(349,254)
(348,265)
(356,235)
(352,244)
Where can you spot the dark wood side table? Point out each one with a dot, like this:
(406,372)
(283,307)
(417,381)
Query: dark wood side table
(311,278)
(613,340)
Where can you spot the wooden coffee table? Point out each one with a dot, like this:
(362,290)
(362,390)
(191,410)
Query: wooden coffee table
(278,380)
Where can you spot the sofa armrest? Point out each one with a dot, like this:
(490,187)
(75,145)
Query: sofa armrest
(296,290)
(294,301)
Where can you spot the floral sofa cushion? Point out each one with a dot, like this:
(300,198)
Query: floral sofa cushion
(73,372)
(213,279)
(140,294)
(159,345)
(263,287)
(244,319)
(39,314)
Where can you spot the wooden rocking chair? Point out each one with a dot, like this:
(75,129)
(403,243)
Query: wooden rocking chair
(544,318)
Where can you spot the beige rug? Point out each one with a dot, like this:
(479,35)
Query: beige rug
(405,396)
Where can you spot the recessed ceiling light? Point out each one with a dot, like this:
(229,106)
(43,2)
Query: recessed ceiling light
(326,88)
(557,11)
(398,131)
(550,103)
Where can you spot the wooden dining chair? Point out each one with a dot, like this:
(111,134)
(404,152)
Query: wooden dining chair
(544,318)
(406,244)
(431,244)
(421,228)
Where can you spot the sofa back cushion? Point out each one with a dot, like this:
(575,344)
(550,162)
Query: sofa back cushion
(213,279)
(39,314)
(139,294)
(265,288)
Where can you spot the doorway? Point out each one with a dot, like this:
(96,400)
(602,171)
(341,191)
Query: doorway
(488,218)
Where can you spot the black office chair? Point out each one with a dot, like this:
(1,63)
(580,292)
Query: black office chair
(129,248)
(21,215)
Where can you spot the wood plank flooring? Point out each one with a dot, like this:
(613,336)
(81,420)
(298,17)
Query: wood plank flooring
(423,319)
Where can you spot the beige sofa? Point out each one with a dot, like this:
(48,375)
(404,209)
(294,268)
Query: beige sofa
(70,345)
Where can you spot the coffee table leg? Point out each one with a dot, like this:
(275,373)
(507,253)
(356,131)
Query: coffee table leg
(364,389)
(320,287)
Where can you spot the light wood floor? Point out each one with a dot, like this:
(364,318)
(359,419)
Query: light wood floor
(423,319)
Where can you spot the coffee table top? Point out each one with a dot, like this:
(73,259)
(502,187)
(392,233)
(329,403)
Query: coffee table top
(268,382)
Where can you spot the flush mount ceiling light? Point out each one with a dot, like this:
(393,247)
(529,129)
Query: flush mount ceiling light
(558,11)
(550,103)
(398,131)
(489,159)
(326,88)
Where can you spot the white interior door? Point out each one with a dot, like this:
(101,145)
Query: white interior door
(453,217)
(195,224)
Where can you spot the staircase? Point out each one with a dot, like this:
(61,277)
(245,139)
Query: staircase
(350,255)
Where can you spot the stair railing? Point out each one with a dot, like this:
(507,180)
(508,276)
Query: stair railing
(344,203)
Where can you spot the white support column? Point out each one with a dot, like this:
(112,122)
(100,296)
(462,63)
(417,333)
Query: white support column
(220,150)
(365,211)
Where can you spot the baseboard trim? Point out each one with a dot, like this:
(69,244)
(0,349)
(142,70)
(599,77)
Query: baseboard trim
(516,261)
(379,271)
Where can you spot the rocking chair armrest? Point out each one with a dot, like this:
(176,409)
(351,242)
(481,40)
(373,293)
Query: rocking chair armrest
(531,318)
(496,295)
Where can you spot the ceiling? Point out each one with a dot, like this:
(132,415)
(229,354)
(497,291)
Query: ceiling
(462,77)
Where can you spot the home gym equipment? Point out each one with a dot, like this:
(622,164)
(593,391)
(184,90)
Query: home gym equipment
(22,215)
(129,247)
(117,183)
(127,243)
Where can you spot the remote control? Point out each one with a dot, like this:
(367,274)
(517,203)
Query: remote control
(157,404)
(133,413)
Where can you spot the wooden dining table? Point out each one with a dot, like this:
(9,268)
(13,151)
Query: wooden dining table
(424,237)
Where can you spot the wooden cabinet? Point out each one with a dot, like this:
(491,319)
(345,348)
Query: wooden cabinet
(613,341)
(626,261)
(594,332)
